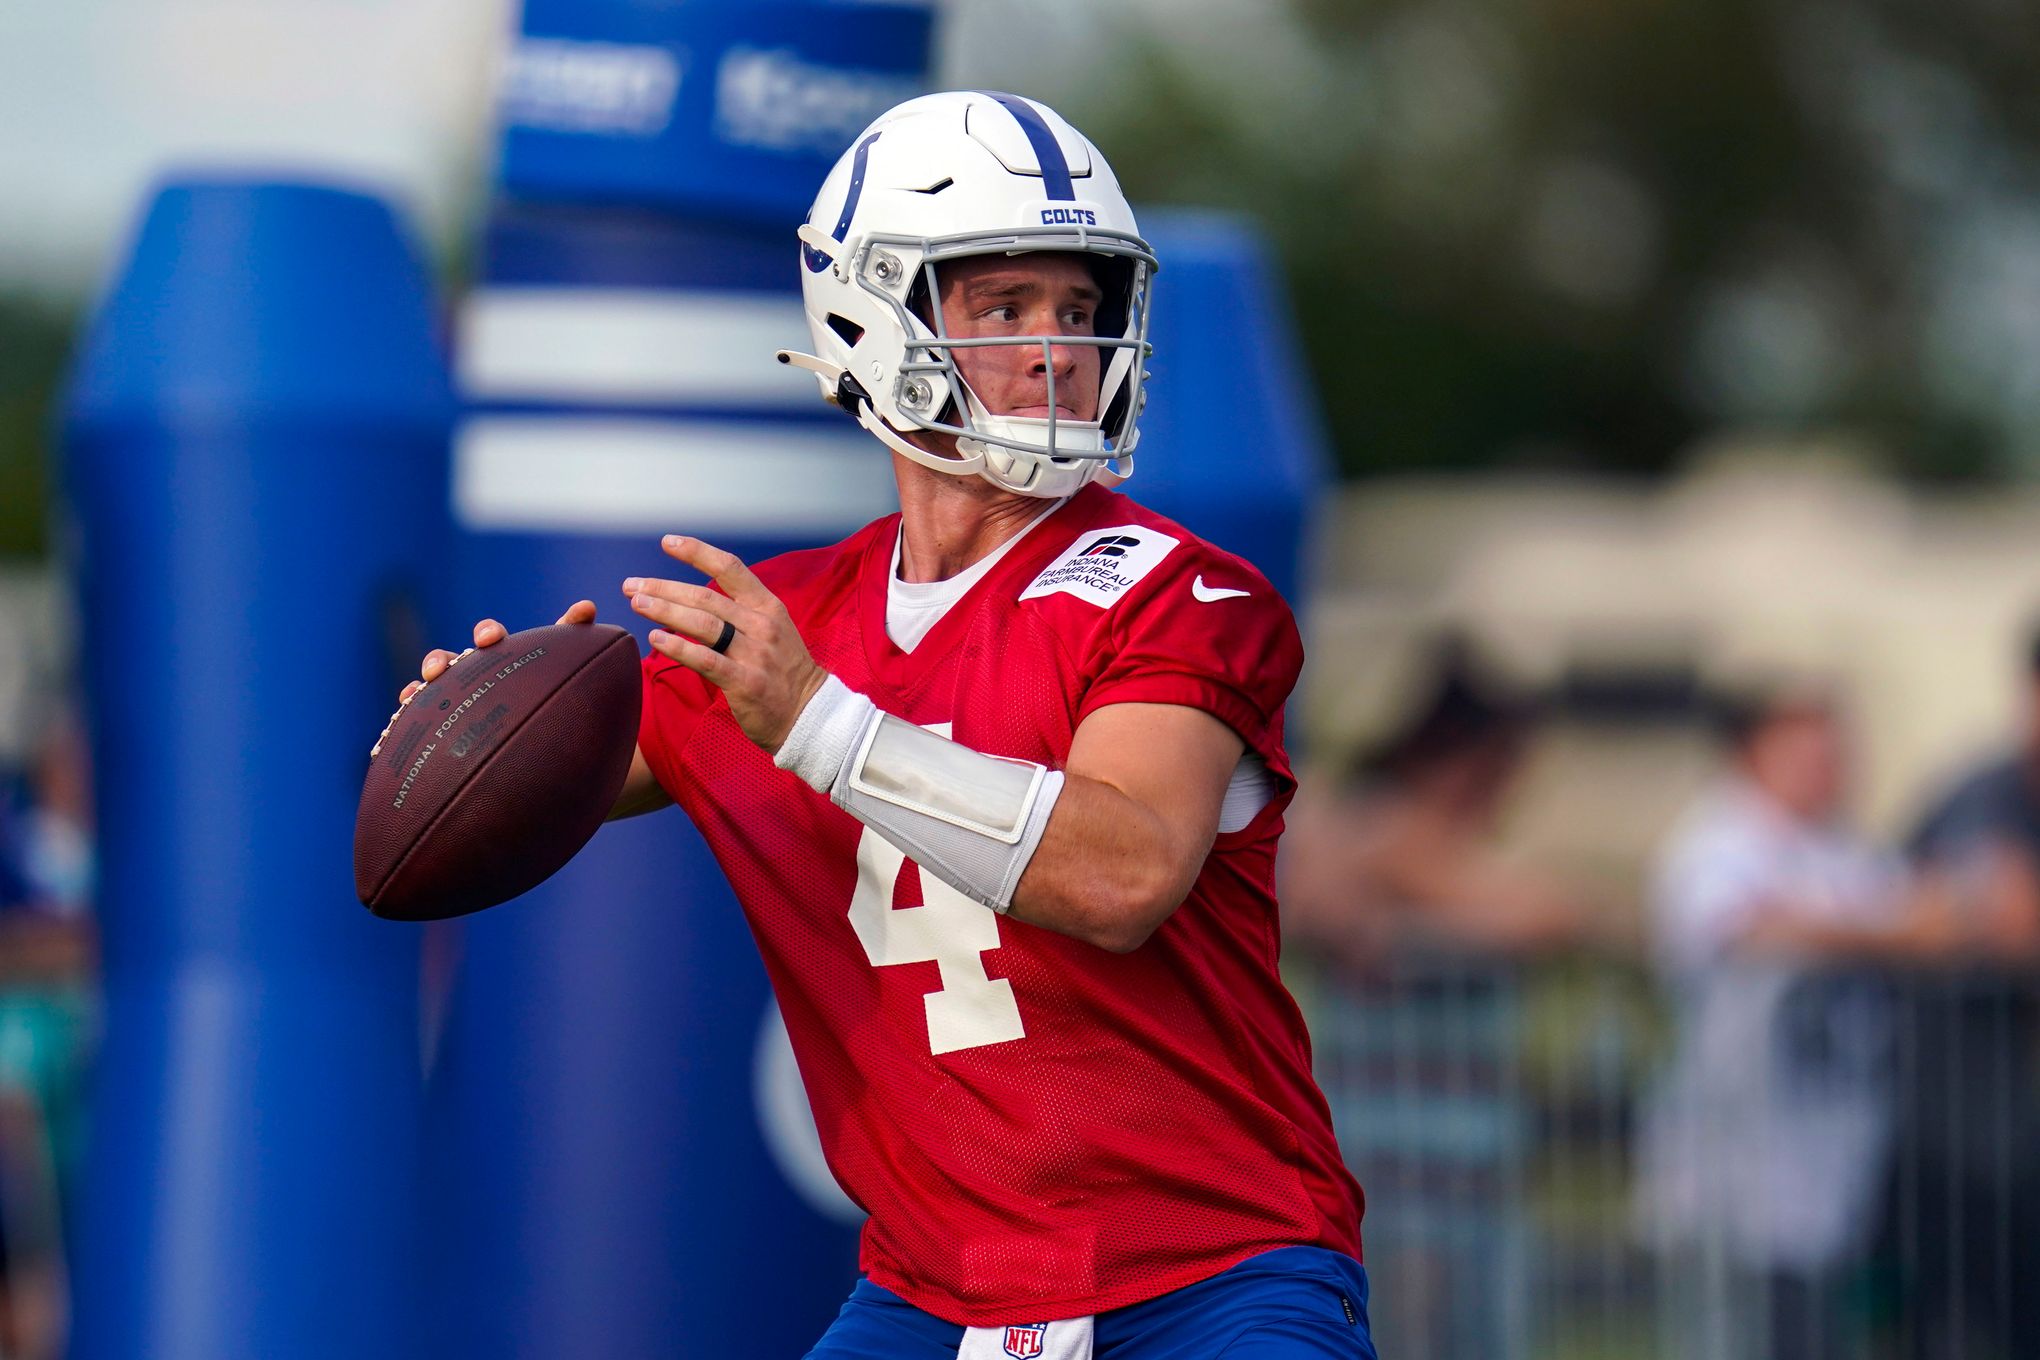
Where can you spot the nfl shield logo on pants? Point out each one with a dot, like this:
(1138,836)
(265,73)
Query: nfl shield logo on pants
(1025,1342)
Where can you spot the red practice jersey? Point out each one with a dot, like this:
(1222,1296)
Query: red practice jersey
(1037,1127)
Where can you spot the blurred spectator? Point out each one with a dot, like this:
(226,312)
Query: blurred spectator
(46,1021)
(1396,879)
(1984,834)
(1766,1143)
(1965,1195)
(1404,852)
(46,812)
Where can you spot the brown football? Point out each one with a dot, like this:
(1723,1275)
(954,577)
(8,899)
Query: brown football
(497,772)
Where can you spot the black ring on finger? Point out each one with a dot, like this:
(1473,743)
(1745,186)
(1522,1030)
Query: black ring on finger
(725,638)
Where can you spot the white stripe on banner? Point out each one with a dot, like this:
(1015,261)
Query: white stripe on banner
(605,474)
(615,344)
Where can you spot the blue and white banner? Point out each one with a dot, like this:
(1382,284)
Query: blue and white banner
(728,111)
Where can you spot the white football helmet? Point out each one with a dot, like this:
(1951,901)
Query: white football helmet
(951,175)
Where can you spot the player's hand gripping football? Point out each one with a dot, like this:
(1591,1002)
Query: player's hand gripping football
(487,634)
(739,640)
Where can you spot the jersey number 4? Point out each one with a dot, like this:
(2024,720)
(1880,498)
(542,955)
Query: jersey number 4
(949,930)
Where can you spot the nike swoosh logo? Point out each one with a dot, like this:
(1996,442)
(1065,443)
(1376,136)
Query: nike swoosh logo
(1209,593)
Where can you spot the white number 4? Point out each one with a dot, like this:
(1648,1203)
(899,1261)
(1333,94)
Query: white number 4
(949,930)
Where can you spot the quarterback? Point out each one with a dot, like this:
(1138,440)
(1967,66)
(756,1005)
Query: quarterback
(998,781)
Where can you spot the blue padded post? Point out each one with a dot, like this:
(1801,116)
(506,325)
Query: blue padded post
(255,487)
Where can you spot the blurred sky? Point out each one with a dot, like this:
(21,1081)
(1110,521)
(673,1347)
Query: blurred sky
(99,96)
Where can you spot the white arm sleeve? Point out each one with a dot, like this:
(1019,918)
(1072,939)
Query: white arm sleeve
(972,820)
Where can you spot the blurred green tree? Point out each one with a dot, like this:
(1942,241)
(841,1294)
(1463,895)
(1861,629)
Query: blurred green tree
(35,340)
(1586,234)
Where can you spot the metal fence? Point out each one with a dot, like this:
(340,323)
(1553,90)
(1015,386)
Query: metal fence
(1575,1158)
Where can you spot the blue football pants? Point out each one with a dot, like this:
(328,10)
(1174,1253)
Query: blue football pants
(1294,1303)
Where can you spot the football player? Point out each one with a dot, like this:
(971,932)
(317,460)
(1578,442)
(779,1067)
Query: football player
(998,781)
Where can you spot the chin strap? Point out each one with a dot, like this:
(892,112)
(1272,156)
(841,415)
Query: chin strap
(845,391)
(976,460)
(964,465)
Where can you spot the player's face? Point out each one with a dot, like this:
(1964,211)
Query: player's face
(1801,757)
(1037,294)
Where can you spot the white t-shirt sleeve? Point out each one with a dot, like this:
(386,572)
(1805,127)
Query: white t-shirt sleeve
(1709,888)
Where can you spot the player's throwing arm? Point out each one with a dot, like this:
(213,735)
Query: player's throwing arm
(1139,799)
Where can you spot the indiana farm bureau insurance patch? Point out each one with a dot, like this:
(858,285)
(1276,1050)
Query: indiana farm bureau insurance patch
(1103,563)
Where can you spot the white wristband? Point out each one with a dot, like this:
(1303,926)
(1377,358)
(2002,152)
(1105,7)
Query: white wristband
(970,819)
(826,734)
